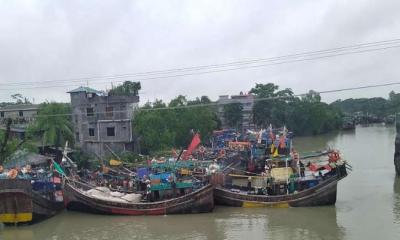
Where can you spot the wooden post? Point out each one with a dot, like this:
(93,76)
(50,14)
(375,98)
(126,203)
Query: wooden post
(397,146)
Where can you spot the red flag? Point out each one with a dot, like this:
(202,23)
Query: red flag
(174,154)
(282,143)
(195,142)
(271,134)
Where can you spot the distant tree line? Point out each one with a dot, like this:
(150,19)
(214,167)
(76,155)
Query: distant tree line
(378,106)
(305,115)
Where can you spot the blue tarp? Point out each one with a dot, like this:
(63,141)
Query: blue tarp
(42,186)
(141,172)
(162,176)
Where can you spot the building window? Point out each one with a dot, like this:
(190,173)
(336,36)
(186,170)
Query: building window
(21,113)
(109,111)
(91,132)
(2,114)
(111,131)
(77,136)
(89,112)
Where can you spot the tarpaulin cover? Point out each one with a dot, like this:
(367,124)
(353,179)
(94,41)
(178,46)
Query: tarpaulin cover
(142,172)
(162,176)
(162,186)
(42,186)
(281,174)
(114,162)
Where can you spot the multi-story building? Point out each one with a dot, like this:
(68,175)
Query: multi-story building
(103,124)
(21,116)
(247,101)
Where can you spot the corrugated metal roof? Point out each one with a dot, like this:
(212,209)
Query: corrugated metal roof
(20,107)
(85,89)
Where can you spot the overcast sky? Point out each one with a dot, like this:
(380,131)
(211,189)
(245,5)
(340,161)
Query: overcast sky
(56,40)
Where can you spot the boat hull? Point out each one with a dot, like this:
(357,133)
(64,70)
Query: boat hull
(321,197)
(20,205)
(200,201)
(322,194)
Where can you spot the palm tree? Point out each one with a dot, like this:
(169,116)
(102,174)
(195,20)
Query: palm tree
(53,124)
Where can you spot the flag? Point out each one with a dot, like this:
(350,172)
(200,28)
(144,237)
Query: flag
(195,142)
(272,148)
(58,168)
(271,134)
(276,154)
(174,153)
(282,141)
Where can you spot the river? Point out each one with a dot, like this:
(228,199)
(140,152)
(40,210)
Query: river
(368,206)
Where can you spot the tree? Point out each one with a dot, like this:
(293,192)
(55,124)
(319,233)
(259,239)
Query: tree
(4,137)
(304,116)
(201,100)
(311,97)
(20,99)
(53,124)
(377,105)
(162,127)
(272,105)
(128,88)
(233,114)
(179,101)
(9,145)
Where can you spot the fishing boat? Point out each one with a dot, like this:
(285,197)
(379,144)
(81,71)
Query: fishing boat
(21,204)
(29,195)
(272,174)
(322,193)
(163,186)
(77,199)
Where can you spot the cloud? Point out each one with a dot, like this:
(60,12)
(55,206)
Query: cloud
(53,40)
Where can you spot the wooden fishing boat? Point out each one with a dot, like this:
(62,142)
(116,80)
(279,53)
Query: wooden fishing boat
(198,201)
(21,204)
(323,193)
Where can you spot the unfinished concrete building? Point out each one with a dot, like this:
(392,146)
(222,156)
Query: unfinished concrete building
(103,124)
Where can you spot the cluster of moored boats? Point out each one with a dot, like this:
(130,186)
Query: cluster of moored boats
(255,169)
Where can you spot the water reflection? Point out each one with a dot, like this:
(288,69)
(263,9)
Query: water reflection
(71,225)
(294,223)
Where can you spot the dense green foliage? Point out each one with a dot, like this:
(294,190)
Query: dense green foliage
(160,127)
(10,145)
(377,106)
(271,106)
(128,88)
(19,99)
(233,114)
(82,160)
(304,116)
(53,124)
